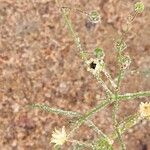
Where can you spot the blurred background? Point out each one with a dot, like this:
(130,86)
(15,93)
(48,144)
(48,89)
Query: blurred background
(39,64)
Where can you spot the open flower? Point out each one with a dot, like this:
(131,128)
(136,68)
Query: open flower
(95,66)
(59,137)
(145,110)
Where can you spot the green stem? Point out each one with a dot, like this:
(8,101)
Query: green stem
(116,104)
(55,110)
(96,129)
(129,96)
(71,114)
(109,78)
(100,106)
(126,124)
(102,83)
(89,114)
(106,102)
(115,122)
(71,30)
(80,143)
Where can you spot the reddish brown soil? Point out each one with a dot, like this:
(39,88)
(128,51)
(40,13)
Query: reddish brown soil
(39,64)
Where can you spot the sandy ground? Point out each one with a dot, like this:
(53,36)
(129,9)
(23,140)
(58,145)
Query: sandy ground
(39,64)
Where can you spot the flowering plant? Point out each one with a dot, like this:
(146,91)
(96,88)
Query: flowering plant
(96,66)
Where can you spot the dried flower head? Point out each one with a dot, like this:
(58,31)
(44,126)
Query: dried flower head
(94,16)
(145,110)
(95,66)
(139,7)
(59,137)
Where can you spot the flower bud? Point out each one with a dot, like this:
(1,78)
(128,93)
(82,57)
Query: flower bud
(120,45)
(139,7)
(94,16)
(99,53)
(83,55)
(126,61)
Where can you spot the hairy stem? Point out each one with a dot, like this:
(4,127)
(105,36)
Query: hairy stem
(126,124)
(109,78)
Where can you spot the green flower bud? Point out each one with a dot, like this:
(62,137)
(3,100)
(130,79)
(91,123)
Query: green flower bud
(99,53)
(139,7)
(120,45)
(83,55)
(126,61)
(94,16)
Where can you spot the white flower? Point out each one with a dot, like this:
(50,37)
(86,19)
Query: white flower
(145,110)
(95,66)
(59,137)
